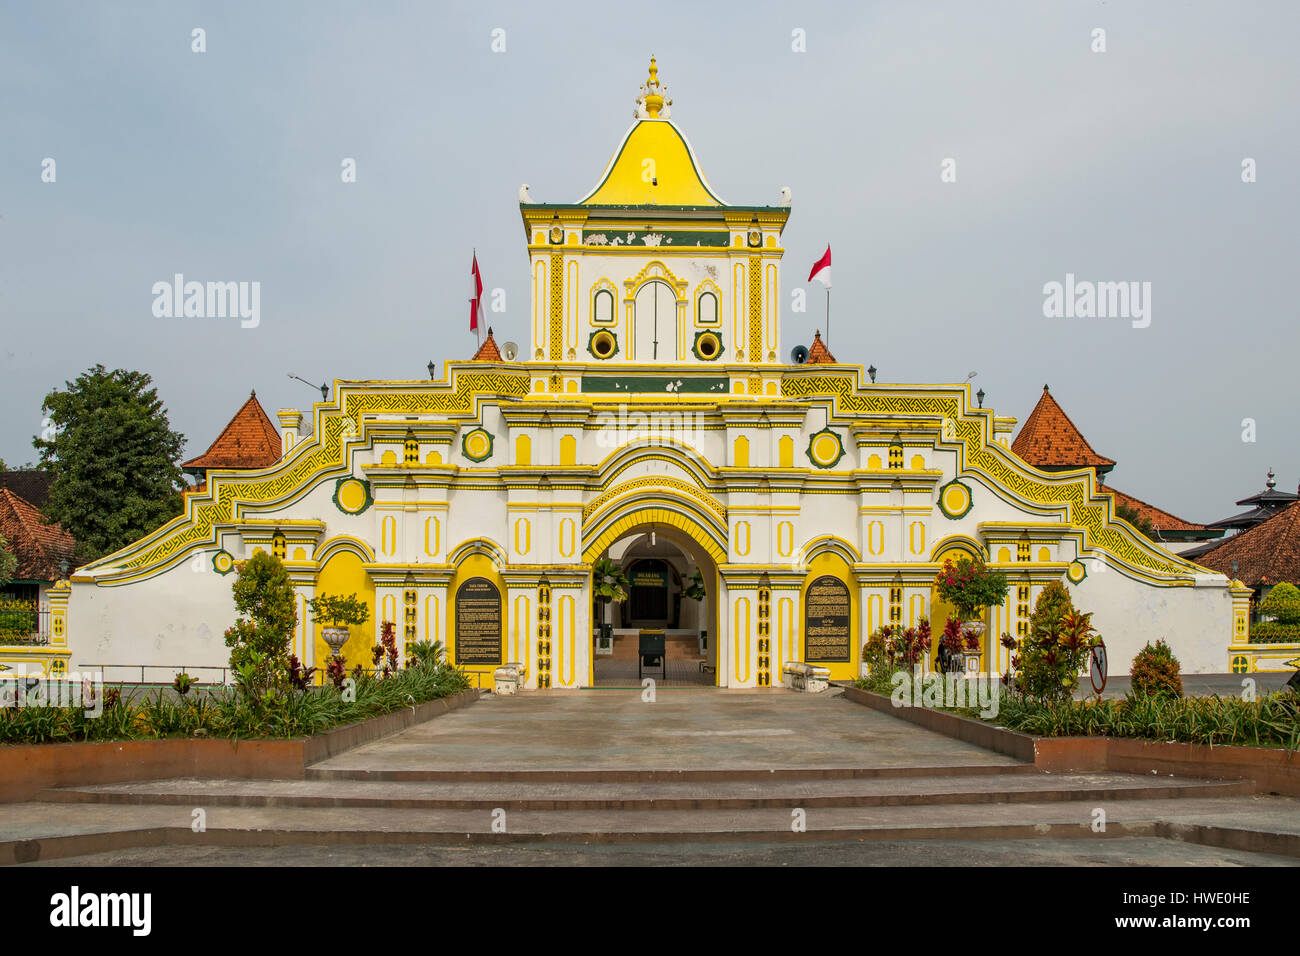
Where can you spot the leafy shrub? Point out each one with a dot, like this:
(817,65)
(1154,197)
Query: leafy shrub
(1282,604)
(1155,671)
(259,643)
(337,610)
(1051,656)
(1270,721)
(233,714)
(970,586)
(879,670)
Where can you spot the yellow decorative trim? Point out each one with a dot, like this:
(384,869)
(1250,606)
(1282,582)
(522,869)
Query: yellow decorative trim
(1071,491)
(755,314)
(641,516)
(656,484)
(604,284)
(339,428)
(653,270)
(557,307)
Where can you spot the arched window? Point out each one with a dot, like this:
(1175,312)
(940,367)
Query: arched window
(655,328)
(602,307)
(707,309)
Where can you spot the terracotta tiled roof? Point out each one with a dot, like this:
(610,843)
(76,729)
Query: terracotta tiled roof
(1160,519)
(38,546)
(31,484)
(819,354)
(1266,554)
(1049,439)
(249,441)
(488,351)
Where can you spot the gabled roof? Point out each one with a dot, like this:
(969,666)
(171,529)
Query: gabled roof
(1247,519)
(1049,440)
(488,351)
(39,547)
(1267,554)
(819,354)
(1270,497)
(31,484)
(249,441)
(1161,521)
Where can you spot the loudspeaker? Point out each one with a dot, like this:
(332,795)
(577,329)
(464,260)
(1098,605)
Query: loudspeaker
(510,350)
(799,354)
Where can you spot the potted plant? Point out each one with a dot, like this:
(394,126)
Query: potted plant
(695,590)
(608,583)
(336,613)
(970,586)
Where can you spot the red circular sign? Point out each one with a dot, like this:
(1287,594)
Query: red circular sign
(1097,667)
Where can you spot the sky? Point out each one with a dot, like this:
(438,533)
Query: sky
(1117,165)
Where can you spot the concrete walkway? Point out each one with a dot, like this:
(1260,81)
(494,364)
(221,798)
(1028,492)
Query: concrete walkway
(682,730)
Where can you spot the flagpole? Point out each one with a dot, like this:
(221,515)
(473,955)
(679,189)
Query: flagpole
(828,317)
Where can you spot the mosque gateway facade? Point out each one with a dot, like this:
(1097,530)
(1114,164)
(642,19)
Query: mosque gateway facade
(763,512)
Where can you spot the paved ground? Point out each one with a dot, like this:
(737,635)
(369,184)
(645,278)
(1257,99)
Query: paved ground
(586,730)
(874,790)
(1203,685)
(1127,852)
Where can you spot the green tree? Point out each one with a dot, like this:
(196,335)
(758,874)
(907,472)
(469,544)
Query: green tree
(8,562)
(1133,517)
(113,456)
(259,639)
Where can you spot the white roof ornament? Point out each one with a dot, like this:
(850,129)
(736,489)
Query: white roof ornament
(785,195)
(523,194)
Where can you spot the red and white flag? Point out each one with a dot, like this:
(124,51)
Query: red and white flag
(821,270)
(476,323)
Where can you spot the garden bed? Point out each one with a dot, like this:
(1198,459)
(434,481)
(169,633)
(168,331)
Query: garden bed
(25,770)
(1274,769)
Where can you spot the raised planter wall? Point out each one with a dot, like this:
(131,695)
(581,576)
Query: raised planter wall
(1273,770)
(26,769)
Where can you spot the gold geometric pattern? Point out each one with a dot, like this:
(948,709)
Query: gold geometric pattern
(557,306)
(1094,519)
(228,491)
(659,483)
(755,309)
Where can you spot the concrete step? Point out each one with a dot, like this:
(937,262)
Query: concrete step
(336,769)
(677,795)
(36,831)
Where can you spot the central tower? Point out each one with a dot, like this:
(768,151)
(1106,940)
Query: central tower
(651,268)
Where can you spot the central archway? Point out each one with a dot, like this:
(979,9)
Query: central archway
(651,529)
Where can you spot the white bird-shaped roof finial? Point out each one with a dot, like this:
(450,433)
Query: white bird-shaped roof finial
(786,195)
(523,194)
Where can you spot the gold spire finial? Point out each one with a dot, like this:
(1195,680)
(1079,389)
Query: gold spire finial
(654,100)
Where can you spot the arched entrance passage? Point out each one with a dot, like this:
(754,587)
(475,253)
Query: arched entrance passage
(660,542)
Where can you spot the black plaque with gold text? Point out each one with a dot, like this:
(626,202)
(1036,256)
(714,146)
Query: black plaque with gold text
(478,623)
(826,627)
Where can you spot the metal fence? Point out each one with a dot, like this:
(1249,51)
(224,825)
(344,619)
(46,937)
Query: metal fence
(24,623)
(162,675)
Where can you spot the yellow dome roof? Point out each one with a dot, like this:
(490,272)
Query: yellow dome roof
(654,165)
